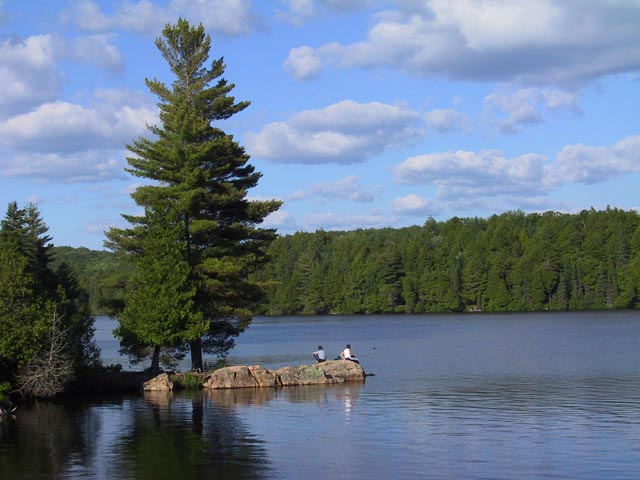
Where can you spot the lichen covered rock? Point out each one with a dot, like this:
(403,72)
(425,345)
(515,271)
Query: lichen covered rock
(345,370)
(303,375)
(241,377)
(333,371)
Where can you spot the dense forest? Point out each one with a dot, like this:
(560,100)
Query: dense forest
(508,262)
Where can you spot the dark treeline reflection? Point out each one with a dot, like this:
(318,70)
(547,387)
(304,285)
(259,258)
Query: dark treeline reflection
(42,441)
(158,436)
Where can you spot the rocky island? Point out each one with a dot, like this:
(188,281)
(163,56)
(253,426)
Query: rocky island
(330,372)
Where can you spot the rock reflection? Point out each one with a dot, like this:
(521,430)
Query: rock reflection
(160,399)
(225,398)
(241,396)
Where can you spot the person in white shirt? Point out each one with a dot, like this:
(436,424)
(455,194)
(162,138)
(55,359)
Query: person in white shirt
(319,355)
(347,354)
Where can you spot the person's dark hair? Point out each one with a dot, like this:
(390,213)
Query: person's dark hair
(319,347)
(348,346)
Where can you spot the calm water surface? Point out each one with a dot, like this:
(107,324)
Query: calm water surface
(453,396)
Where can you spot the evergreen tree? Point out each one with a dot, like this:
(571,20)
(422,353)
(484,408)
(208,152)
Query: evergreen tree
(158,308)
(33,297)
(205,174)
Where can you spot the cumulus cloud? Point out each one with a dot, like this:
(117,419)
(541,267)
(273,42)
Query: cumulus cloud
(466,179)
(227,17)
(448,120)
(348,188)
(88,166)
(28,74)
(95,50)
(415,205)
(345,132)
(68,142)
(594,164)
(520,107)
(542,42)
(303,63)
(281,220)
(62,127)
(483,173)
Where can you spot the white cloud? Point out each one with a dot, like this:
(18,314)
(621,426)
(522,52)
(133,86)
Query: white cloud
(228,17)
(337,221)
(96,50)
(348,188)
(415,205)
(516,108)
(303,63)
(298,11)
(465,179)
(65,127)
(448,120)
(280,219)
(542,42)
(88,166)
(63,141)
(485,173)
(345,132)
(28,74)
(29,71)
(593,164)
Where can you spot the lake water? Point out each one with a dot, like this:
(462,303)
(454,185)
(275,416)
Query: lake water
(476,396)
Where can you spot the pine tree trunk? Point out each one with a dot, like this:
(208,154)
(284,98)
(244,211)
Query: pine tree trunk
(155,361)
(196,355)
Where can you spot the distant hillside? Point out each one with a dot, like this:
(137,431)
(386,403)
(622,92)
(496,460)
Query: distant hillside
(91,268)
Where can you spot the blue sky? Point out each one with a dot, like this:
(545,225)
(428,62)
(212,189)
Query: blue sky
(364,113)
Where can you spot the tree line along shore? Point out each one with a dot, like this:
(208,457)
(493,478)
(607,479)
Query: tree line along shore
(508,262)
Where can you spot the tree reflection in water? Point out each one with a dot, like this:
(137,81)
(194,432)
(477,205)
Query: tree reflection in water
(46,440)
(158,436)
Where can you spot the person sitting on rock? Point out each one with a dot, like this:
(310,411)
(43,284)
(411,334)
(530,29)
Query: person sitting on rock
(319,355)
(347,354)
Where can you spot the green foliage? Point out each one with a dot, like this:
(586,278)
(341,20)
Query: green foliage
(5,388)
(99,272)
(30,290)
(187,381)
(23,321)
(508,262)
(202,175)
(159,303)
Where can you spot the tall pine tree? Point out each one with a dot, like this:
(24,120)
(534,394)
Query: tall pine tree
(205,175)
